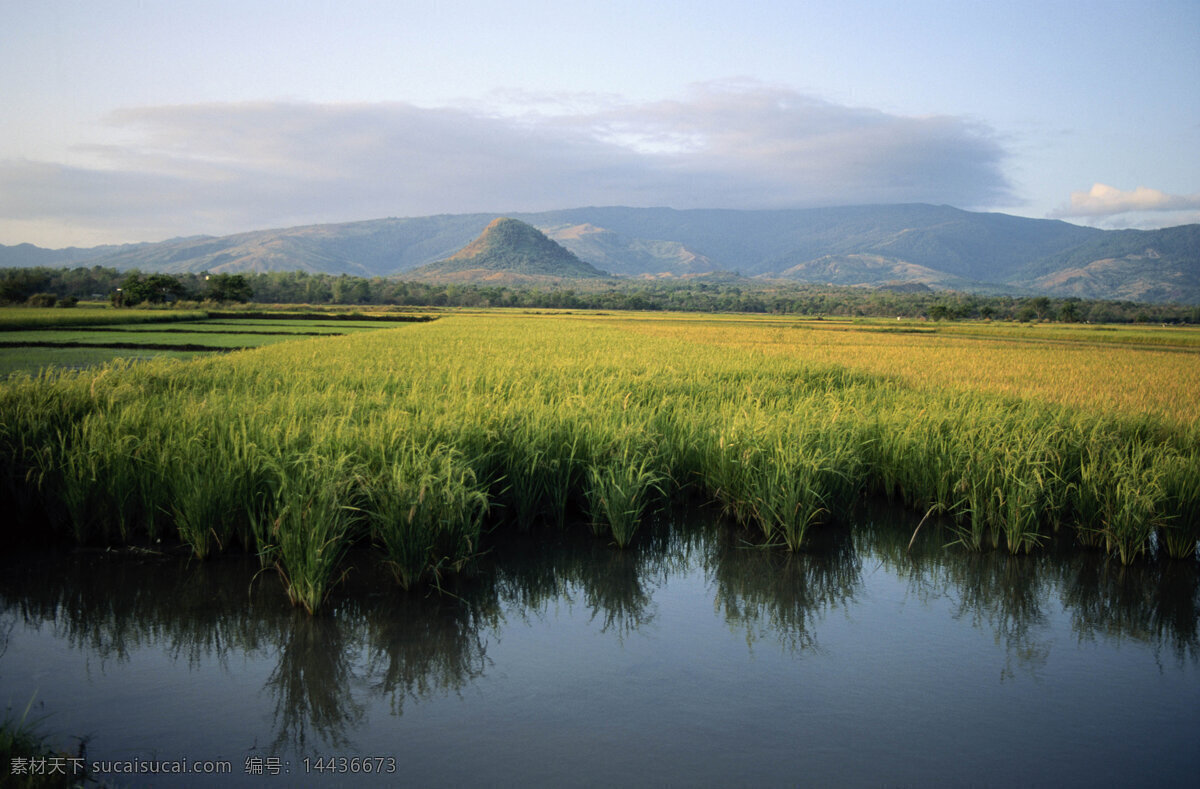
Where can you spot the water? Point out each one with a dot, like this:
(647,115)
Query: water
(687,660)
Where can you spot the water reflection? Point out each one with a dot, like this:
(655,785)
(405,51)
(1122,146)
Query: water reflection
(536,573)
(311,683)
(109,605)
(420,645)
(377,643)
(1148,603)
(782,596)
(1153,602)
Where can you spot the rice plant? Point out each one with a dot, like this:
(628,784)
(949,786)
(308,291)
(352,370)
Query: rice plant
(619,488)
(419,438)
(1122,498)
(313,525)
(425,509)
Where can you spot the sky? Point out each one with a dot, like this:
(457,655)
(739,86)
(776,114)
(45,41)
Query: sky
(140,121)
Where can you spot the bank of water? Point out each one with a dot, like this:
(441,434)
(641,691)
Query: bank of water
(688,659)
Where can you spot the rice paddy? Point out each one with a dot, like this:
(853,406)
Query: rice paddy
(35,339)
(427,440)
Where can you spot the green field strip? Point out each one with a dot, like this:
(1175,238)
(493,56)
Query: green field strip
(199,329)
(128,346)
(309,325)
(25,318)
(14,361)
(323,316)
(135,339)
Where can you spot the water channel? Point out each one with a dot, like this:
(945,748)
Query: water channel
(689,659)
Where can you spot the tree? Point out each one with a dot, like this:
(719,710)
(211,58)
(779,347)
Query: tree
(1069,312)
(155,289)
(229,287)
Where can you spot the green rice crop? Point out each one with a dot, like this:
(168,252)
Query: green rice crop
(420,439)
(313,525)
(34,360)
(283,324)
(425,509)
(14,318)
(141,336)
(620,486)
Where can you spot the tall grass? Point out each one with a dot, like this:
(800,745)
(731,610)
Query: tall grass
(620,485)
(426,509)
(415,440)
(313,524)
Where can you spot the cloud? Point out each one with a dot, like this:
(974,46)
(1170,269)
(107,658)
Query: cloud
(220,168)
(1103,200)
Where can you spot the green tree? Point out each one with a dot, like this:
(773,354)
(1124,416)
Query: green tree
(229,287)
(155,289)
(1069,312)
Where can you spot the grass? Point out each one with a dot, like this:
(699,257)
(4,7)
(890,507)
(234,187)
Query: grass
(212,340)
(16,318)
(1112,377)
(426,509)
(33,340)
(34,360)
(27,761)
(419,439)
(620,487)
(310,525)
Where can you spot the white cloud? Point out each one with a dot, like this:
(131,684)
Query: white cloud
(220,168)
(1103,200)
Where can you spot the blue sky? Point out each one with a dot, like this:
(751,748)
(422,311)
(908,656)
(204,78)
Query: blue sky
(134,121)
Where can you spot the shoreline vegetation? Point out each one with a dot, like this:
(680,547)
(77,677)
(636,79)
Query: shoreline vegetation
(425,440)
(717,292)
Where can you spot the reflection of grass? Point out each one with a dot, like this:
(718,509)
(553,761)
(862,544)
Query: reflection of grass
(27,759)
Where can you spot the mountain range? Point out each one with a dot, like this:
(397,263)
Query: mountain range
(939,247)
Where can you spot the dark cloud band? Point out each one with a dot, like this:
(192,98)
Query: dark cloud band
(219,168)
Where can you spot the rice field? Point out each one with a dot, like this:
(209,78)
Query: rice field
(427,441)
(35,339)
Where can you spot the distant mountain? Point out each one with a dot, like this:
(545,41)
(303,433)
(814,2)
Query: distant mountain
(629,257)
(1138,265)
(874,246)
(29,256)
(873,271)
(509,252)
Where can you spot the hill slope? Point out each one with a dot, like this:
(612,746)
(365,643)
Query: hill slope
(508,251)
(875,246)
(1139,265)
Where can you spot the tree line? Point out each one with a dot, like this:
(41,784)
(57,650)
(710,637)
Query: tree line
(48,286)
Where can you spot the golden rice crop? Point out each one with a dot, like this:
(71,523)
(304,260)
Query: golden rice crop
(415,439)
